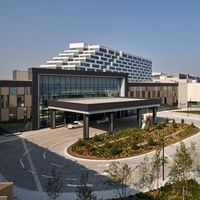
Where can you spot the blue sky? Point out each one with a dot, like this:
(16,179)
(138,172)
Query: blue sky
(165,31)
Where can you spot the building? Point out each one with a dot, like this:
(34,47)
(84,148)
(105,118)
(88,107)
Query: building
(96,58)
(174,77)
(187,89)
(60,92)
(15,106)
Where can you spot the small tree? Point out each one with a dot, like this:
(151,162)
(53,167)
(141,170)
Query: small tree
(149,171)
(84,191)
(183,164)
(119,177)
(54,185)
(144,174)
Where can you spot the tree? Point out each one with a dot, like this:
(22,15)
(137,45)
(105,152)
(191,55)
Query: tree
(184,163)
(119,177)
(54,185)
(149,171)
(84,191)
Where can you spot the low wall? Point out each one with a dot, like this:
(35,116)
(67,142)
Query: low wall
(6,191)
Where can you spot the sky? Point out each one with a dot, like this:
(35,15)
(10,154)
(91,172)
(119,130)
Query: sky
(165,31)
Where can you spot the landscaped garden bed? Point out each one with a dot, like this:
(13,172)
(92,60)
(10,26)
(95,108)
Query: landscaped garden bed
(132,141)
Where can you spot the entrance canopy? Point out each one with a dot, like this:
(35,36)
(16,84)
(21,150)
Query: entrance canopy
(89,106)
(101,105)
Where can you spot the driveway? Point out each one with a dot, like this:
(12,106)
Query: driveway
(27,159)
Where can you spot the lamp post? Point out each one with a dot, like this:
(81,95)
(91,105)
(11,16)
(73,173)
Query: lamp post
(163,159)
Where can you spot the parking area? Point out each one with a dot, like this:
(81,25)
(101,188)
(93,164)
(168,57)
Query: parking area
(28,159)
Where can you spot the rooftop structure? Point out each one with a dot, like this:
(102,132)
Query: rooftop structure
(86,57)
(174,77)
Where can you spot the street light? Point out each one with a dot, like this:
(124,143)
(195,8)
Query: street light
(163,158)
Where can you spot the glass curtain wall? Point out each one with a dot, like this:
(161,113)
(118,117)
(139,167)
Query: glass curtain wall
(63,87)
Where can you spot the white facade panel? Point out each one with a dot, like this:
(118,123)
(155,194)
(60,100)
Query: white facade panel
(105,59)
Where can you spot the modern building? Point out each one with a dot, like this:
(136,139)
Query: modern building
(96,58)
(174,77)
(15,106)
(186,90)
(86,83)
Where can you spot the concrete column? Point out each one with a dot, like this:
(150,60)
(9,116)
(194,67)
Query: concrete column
(111,124)
(85,127)
(139,115)
(154,115)
(52,118)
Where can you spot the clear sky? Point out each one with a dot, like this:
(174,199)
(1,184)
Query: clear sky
(165,31)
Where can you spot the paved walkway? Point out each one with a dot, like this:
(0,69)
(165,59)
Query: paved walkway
(32,155)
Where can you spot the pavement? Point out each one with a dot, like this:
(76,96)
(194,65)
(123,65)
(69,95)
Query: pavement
(27,159)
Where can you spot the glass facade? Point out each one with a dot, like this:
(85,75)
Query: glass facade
(63,87)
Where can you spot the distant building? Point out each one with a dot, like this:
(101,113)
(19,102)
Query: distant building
(96,58)
(20,75)
(188,87)
(174,77)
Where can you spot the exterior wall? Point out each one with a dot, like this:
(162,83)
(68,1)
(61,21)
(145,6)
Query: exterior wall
(15,106)
(167,92)
(85,57)
(7,190)
(193,92)
(183,95)
(62,84)
(20,75)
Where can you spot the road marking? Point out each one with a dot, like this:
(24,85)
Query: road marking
(21,163)
(71,179)
(27,151)
(33,171)
(101,174)
(46,176)
(57,165)
(44,155)
(72,185)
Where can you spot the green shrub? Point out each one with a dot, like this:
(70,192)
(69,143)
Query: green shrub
(134,146)
(108,145)
(167,120)
(174,125)
(173,121)
(114,150)
(192,125)
(159,126)
(97,138)
(182,121)
(80,143)
(151,142)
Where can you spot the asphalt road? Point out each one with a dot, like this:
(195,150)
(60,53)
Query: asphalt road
(27,159)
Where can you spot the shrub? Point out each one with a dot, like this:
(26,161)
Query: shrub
(192,125)
(182,121)
(159,126)
(173,121)
(174,125)
(151,142)
(167,120)
(114,150)
(80,143)
(108,145)
(134,146)
(97,138)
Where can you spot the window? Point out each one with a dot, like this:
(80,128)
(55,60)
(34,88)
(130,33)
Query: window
(13,90)
(103,50)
